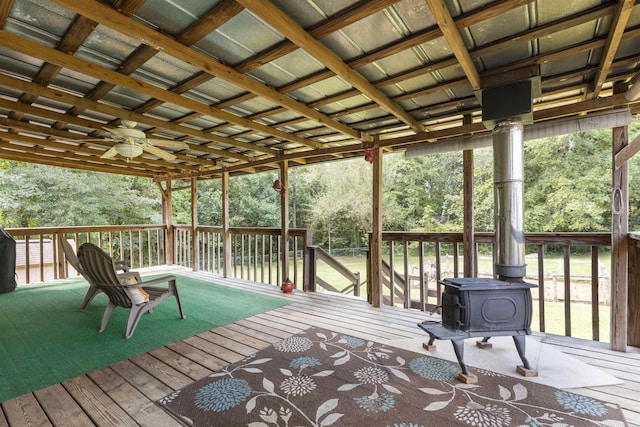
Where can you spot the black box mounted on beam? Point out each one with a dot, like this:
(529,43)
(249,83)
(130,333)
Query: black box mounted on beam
(513,100)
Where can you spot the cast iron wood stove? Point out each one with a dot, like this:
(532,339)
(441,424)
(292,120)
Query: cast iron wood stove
(475,307)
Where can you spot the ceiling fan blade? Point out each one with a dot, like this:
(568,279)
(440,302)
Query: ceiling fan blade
(158,152)
(111,152)
(116,132)
(167,143)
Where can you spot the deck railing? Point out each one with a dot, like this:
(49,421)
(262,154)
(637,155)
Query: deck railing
(40,258)
(420,260)
(255,252)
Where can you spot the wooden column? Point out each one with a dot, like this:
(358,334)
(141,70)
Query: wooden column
(167,220)
(468,233)
(284,219)
(619,242)
(226,235)
(195,253)
(376,234)
(633,332)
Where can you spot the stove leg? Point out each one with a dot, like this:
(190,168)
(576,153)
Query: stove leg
(430,346)
(458,348)
(465,376)
(484,343)
(525,370)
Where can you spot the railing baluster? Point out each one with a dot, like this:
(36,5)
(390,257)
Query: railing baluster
(541,296)
(567,290)
(595,297)
(407,294)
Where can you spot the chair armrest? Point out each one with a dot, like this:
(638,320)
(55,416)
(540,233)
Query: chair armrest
(162,279)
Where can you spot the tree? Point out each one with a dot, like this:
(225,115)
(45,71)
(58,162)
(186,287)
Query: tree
(567,183)
(44,196)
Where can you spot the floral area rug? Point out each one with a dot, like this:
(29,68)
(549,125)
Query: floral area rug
(324,378)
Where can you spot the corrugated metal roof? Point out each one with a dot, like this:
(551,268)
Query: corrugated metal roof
(247,84)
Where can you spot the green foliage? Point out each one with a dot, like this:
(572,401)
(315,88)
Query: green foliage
(567,188)
(44,196)
(567,182)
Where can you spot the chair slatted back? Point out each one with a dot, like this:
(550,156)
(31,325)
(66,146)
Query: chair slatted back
(100,268)
(71,256)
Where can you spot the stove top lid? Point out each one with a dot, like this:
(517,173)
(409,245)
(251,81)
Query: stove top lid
(477,283)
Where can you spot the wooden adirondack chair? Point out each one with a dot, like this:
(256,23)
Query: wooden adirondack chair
(101,271)
(93,290)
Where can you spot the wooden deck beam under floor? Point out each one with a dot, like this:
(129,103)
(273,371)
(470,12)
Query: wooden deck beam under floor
(126,392)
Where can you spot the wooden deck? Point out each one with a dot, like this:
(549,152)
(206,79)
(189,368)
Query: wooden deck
(124,394)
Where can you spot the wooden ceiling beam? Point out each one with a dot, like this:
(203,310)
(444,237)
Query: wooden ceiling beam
(92,154)
(103,108)
(5,8)
(223,11)
(542,31)
(51,55)
(452,34)
(567,51)
(45,152)
(489,11)
(292,31)
(341,19)
(345,17)
(81,142)
(107,16)
(424,36)
(618,24)
(19,156)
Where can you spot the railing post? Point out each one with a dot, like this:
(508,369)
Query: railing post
(226,234)
(308,262)
(619,232)
(634,292)
(195,253)
(310,279)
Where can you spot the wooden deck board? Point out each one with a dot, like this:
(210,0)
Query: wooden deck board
(126,392)
(60,407)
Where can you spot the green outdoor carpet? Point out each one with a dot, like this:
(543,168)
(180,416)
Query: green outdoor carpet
(45,338)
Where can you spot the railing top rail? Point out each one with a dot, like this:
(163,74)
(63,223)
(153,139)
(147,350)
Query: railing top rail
(269,231)
(549,238)
(30,231)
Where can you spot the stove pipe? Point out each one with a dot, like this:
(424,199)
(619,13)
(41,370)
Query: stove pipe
(508,178)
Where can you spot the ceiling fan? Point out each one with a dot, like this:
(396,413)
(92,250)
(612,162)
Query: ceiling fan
(131,142)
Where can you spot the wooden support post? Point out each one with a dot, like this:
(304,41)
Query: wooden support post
(226,235)
(376,235)
(633,334)
(468,235)
(619,242)
(284,219)
(195,253)
(167,219)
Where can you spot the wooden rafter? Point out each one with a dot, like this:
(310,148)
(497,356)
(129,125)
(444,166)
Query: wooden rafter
(124,114)
(287,27)
(451,33)
(107,16)
(39,101)
(54,56)
(618,24)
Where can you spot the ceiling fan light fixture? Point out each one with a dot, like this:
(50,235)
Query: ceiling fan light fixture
(128,150)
